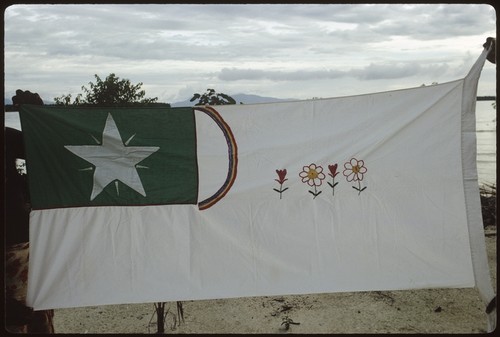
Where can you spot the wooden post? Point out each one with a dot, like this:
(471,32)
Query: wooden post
(160,311)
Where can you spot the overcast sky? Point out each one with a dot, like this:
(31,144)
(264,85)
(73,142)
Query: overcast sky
(283,51)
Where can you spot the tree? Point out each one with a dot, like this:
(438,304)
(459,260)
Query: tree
(113,91)
(212,98)
(26,97)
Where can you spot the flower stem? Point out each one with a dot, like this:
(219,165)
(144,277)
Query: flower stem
(316,193)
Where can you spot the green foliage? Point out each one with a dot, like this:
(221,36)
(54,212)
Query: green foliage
(212,98)
(113,91)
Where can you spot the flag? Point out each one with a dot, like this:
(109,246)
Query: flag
(368,192)
(97,157)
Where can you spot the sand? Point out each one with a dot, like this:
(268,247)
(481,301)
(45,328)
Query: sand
(410,311)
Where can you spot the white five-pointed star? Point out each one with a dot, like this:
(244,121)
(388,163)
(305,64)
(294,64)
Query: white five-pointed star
(113,160)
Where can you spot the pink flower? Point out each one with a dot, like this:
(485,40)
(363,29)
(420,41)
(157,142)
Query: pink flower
(312,175)
(354,170)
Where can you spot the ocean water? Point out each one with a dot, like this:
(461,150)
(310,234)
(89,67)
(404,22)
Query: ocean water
(486,122)
(486,139)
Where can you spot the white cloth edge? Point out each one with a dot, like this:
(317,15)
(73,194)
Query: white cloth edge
(471,189)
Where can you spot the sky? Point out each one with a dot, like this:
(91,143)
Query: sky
(283,51)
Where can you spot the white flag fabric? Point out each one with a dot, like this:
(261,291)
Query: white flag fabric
(359,193)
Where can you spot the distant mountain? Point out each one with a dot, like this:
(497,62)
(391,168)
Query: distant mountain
(252,99)
(243,98)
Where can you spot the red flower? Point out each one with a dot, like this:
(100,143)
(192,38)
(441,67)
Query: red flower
(333,170)
(281,176)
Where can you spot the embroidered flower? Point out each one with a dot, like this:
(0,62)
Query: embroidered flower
(354,171)
(312,175)
(333,173)
(281,180)
(333,170)
(281,176)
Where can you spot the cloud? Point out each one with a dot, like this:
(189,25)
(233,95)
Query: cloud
(60,47)
(421,21)
(235,74)
(398,70)
(371,72)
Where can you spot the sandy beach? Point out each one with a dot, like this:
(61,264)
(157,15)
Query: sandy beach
(410,311)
